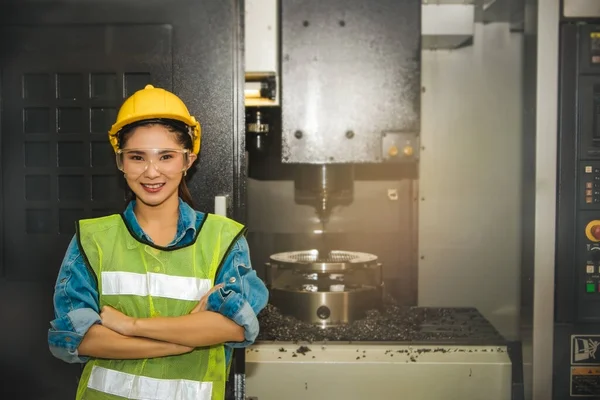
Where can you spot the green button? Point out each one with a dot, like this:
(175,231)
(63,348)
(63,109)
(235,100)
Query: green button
(590,288)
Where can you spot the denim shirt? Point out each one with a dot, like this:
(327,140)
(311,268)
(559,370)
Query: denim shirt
(76,305)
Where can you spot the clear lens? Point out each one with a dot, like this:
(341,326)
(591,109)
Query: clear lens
(135,162)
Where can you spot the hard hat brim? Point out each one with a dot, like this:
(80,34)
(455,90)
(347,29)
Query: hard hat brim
(184,124)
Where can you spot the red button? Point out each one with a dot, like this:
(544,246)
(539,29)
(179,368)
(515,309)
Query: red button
(596,232)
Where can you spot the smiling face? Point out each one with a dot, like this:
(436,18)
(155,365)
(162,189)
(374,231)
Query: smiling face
(152,170)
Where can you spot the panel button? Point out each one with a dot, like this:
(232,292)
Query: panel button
(588,185)
(589,269)
(588,169)
(590,287)
(592,232)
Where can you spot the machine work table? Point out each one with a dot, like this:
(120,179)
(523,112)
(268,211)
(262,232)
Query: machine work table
(397,352)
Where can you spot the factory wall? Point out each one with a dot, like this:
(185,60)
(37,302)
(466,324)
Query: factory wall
(470,177)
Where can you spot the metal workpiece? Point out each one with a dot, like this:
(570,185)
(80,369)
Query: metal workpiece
(350,70)
(326,308)
(332,261)
(299,371)
(330,289)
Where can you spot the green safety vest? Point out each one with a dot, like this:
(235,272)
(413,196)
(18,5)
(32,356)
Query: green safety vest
(142,281)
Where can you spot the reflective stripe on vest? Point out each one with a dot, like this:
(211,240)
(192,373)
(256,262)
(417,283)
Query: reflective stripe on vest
(135,387)
(143,281)
(155,285)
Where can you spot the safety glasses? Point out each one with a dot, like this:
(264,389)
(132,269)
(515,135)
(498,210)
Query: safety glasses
(135,162)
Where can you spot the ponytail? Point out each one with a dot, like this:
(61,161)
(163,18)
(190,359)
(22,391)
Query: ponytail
(184,193)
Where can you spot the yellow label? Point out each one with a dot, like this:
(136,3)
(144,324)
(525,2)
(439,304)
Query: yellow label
(595,35)
(585,371)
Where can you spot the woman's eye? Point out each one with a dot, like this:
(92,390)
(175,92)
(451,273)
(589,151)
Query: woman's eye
(135,158)
(166,157)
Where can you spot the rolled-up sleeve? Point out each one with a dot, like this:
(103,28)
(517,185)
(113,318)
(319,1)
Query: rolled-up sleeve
(75,306)
(243,295)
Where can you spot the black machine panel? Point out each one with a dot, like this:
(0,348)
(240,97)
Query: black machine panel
(577,317)
(589,116)
(62,85)
(587,253)
(57,163)
(66,67)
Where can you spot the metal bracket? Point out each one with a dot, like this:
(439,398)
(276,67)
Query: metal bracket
(400,147)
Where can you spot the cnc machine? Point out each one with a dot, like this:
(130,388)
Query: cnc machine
(334,142)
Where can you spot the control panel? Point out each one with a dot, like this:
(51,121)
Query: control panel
(587,164)
(588,241)
(592,233)
(589,113)
(589,186)
(576,370)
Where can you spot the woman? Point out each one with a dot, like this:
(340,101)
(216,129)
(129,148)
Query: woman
(154,300)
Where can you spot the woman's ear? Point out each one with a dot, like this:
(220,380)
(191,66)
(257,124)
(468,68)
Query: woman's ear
(191,159)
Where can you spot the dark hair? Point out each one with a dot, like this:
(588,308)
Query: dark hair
(183,138)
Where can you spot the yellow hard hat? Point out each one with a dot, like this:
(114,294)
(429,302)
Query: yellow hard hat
(154,103)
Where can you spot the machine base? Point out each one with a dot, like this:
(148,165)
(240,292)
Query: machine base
(377,371)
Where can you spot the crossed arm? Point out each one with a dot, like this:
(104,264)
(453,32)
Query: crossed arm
(81,330)
(124,337)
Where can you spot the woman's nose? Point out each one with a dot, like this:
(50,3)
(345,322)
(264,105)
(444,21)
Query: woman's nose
(151,170)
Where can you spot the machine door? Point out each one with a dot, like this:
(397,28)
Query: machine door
(57,163)
(66,67)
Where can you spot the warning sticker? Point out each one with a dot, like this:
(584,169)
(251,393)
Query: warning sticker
(585,366)
(585,381)
(584,350)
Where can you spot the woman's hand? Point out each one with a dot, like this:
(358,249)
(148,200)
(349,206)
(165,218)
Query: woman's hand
(204,300)
(117,321)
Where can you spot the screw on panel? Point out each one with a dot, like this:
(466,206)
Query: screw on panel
(342,23)
(349,134)
(298,134)
(305,23)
